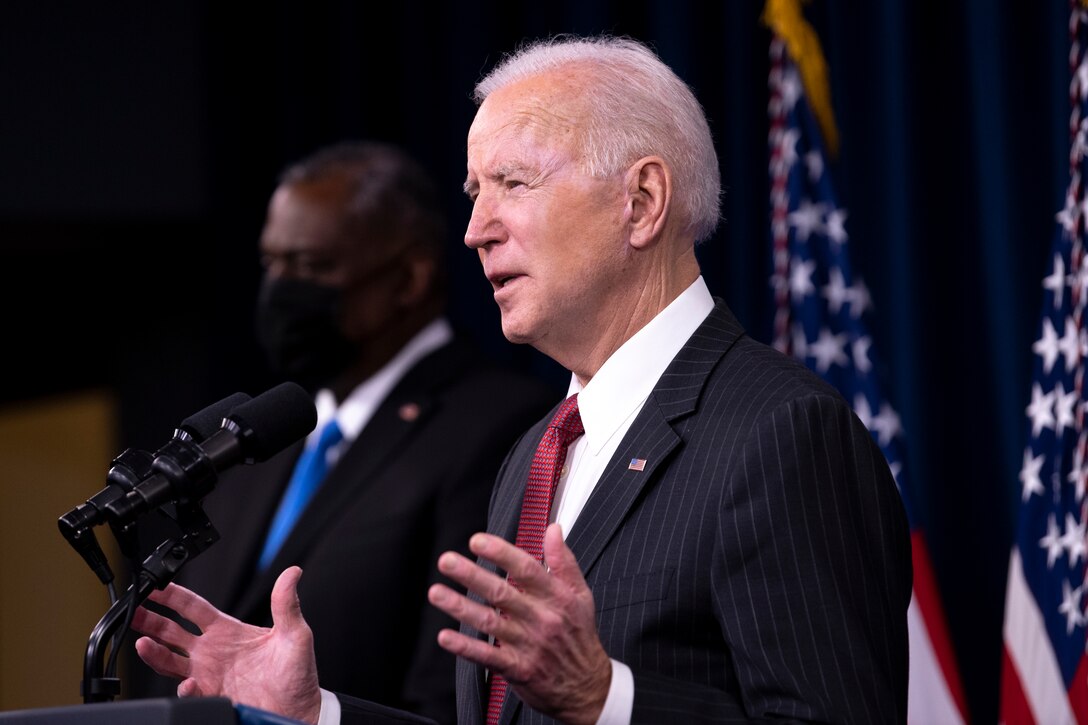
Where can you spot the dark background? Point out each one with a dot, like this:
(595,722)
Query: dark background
(139,143)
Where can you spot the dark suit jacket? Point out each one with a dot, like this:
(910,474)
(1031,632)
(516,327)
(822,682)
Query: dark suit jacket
(415,483)
(759,567)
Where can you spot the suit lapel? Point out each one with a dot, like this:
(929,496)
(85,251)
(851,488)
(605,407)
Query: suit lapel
(652,436)
(243,528)
(382,439)
(503,518)
(363,461)
(473,688)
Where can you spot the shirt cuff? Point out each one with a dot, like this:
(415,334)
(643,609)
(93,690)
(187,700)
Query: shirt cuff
(330,708)
(621,697)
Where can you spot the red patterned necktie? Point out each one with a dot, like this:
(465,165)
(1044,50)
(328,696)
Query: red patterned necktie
(536,507)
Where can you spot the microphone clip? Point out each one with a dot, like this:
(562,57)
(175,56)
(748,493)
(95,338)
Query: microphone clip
(186,474)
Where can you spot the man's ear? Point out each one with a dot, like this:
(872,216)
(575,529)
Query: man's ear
(649,197)
(420,274)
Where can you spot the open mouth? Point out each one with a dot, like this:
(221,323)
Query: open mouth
(501,281)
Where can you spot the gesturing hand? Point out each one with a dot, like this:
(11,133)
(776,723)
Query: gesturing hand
(550,652)
(272,669)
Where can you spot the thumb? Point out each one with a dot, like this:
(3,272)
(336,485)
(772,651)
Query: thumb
(285,606)
(560,559)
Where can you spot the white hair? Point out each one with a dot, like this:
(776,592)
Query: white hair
(636,106)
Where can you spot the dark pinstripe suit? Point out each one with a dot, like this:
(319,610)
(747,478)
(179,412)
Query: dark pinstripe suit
(758,567)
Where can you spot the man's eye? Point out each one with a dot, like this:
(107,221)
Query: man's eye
(313,267)
(514,183)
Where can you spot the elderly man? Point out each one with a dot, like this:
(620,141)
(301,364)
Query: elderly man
(721,539)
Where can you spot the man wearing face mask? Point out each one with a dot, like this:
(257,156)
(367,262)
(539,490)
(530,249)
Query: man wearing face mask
(351,307)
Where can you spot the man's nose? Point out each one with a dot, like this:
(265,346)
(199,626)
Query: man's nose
(484,226)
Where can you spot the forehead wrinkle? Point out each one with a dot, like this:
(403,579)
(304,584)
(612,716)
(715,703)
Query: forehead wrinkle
(536,142)
(537,119)
(534,112)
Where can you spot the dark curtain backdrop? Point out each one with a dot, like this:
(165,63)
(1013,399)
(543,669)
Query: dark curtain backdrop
(139,143)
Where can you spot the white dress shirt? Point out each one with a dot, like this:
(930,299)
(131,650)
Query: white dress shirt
(608,404)
(362,402)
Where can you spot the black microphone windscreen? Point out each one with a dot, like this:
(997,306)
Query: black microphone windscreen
(202,424)
(274,420)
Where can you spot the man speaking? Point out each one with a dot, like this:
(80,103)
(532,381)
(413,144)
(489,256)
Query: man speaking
(702,531)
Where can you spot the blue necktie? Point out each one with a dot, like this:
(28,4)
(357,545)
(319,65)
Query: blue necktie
(309,471)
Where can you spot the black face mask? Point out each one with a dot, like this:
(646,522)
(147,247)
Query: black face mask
(297,325)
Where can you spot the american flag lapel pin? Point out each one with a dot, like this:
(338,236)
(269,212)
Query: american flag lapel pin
(637,464)
(408,412)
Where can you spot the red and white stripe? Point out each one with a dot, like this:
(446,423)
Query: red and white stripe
(935,694)
(1032,689)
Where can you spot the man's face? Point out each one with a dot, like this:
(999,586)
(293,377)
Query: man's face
(305,238)
(549,236)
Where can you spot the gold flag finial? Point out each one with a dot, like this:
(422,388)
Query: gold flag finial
(785,20)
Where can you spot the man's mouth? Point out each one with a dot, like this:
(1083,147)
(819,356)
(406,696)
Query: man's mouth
(500,281)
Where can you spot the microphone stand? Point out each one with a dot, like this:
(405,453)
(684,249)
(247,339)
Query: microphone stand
(100,683)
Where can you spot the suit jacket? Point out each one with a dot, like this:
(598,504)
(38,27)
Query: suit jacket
(415,483)
(759,567)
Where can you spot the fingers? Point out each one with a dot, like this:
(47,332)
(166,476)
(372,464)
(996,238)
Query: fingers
(518,604)
(162,629)
(162,659)
(523,605)
(188,604)
(529,573)
(544,627)
(476,650)
(189,688)
(502,553)
(488,585)
(531,578)
(482,617)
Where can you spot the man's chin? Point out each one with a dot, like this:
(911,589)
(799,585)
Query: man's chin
(517,339)
(519,334)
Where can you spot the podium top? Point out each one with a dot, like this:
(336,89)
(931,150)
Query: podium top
(153,711)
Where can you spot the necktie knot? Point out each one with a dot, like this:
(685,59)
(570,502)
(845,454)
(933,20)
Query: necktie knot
(568,421)
(330,436)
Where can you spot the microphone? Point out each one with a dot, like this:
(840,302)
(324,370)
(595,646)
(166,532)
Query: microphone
(127,470)
(186,470)
(133,466)
(201,425)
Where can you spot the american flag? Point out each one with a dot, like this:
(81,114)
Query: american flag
(1044,675)
(819,318)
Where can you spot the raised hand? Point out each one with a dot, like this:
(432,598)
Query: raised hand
(549,649)
(272,669)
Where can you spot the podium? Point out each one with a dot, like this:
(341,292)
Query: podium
(154,711)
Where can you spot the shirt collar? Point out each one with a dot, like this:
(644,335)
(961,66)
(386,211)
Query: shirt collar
(627,377)
(357,408)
